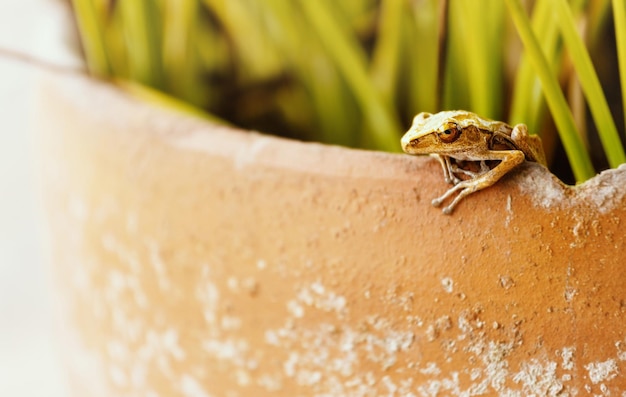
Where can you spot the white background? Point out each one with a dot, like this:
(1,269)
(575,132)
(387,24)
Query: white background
(29,357)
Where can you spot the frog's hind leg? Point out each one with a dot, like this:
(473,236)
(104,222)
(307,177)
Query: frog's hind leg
(529,144)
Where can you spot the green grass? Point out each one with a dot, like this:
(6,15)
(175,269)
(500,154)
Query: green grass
(619,15)
(528,103)
(355,72)
(574,147)
(590,85)
(91,27)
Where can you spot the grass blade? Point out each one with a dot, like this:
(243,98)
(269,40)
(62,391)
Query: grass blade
(256,55)
(90,25)
(381,121)
(386,58)
(160,99)
(619,15)
(598,13)
(528,101)
(578,156)
(420,63)
(483,53)
(331,114)
(456,90)
(591,85)
(143,41)
(180,60)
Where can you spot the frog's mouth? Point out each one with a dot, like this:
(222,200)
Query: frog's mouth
(424,144)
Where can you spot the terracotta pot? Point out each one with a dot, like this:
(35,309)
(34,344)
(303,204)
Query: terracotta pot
(198,260)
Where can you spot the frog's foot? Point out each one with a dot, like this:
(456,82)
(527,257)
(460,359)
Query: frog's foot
(439,200)
(466,187)
(453,179)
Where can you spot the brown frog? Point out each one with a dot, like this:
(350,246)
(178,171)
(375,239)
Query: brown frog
(464,136)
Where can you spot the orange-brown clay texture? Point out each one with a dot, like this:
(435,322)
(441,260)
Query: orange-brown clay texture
(194,260)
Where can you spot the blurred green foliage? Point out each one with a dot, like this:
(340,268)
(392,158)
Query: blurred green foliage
(354,72)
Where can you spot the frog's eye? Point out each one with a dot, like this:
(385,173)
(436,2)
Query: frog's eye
(450,134)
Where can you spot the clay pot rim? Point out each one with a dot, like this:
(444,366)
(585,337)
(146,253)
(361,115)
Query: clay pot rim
(253,148)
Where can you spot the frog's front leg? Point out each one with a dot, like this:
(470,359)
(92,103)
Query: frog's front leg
(509,159)
(455,169)
(448,169)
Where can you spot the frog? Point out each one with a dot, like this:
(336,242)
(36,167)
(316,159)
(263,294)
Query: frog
(454,137)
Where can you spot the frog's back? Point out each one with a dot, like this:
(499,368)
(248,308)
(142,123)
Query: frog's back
(468,119)
(517,138)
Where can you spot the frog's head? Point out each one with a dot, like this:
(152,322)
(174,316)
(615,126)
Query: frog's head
(443,132)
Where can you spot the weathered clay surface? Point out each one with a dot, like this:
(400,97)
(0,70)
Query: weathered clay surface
(192,260)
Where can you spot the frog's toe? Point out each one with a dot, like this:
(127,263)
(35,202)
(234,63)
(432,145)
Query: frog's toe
(453,180)
(437,202)
(448,210)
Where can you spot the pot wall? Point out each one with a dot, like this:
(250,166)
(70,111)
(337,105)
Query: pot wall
(195,260)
